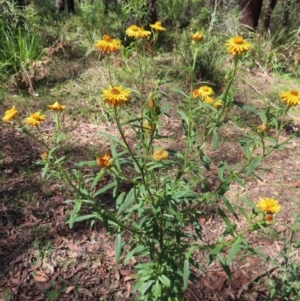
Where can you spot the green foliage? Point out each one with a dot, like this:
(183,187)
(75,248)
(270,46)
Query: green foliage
(18,49)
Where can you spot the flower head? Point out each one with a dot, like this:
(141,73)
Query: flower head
(136,32)
(44,155)
(269,219)
(56,107)
(204,91)
(10,114)
(197,37)
(262,128)
(35,119)
(108,45)
(268,205)
(291,98)
(160,154)
(209,100)
(115,95)
(105,160)
(157,26)
(237,46)
(218,104)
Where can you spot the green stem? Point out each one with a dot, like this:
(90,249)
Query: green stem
(131,153)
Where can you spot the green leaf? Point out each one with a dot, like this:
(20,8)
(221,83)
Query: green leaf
(137,250)
(242,211)
(118,247)
(184,116)
(221,167)
(144,288)
(225,266)
(157,290)
(86,163)
(186,273)
(215,139)
(255,162)
(165,280)
(234,249)
(128,200)
(105,188)
(98,178)
(229,225)
(45,170)
(111,137)
(229,207)
(60,160)
(120,198)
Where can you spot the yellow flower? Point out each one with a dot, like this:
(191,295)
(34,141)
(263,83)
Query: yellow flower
(10,114)
(205,91)
(105,160)
(268,205)
(218,104)
(197,37)
(160,154)
(262,128)
(108,45)
(237,46)
(35,119)
(157,26)
(115,96)
(136,32)
(209,100)
(56,107)
(291,98)
(44,155)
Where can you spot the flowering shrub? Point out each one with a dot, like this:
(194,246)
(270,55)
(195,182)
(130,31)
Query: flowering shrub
(162,200)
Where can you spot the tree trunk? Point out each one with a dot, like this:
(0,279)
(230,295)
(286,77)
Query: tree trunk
(286,14)
(251,10)
(269,13)
(62,5)
(152,11)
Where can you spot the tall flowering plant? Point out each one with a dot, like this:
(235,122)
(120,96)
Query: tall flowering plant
(162,199)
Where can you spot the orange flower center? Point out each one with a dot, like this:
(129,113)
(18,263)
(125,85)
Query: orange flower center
(238,40)
(106,38)
(134,28)
(294,93)
(115,91)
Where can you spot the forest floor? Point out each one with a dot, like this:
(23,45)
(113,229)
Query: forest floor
(42,259)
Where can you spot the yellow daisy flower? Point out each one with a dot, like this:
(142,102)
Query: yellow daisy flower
(197,37)
(237,46)
(115,96)
(218,104)
(160,154)
(205,91)
(108,45)
(136,32)
(209,100)
(291,98)
(157,26)
(10,114)
(268,205)
(105,160)
(35,119)
(56,107)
